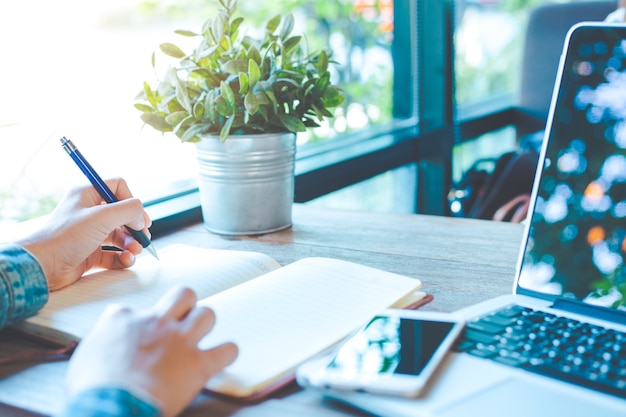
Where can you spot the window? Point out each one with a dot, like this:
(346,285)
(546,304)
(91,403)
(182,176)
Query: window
(76,74)
(488,72)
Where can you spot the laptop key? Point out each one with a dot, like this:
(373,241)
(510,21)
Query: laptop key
(513,311)
(482,353)
(511,360)
(480,337)
(613,387)
(465,345)
(486,327)
(498,320)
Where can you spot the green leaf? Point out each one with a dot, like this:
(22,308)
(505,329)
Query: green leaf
(153,60)
(235,66)
(217,27)
(186,135)
(156,121)
(292,43)
(198,110)
(187,33)
(226,129)
(286,82)
(287,26)
(319,112)
(144,107)
(222,107)
(254,72)
(234,25)
(310,122)
(273,23)
(251,103)
(212,80)
(272,97)
(333,100)
(262,98)
(206,52)
(190,134)
(172,50)
(321,84)
(176,117)
(228,94)
(182,96)
(293,124)
(322,63)
(254,54)
(244,83)
(183,126)
(149,94)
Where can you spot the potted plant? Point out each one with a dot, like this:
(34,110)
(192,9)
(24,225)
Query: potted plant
(242,100)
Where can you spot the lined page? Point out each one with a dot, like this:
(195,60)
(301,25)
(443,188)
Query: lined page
(74,309)
(285,317)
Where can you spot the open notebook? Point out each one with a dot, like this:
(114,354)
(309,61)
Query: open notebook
(278,316)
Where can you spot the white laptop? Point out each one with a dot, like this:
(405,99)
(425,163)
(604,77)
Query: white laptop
(571,266)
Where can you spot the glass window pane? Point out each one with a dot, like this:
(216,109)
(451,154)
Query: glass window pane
(487,64)
(392,192)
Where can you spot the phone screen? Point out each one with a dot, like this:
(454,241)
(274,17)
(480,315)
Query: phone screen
(390,345)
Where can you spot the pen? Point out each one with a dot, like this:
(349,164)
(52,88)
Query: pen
(104,191)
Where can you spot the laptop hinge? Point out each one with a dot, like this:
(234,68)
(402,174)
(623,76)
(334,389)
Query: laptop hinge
(578,307)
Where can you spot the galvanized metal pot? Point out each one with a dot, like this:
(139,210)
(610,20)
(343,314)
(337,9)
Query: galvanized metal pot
(247,182)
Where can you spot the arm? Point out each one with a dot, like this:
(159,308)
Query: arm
(23,286)
(66,246)
(109,402)
(147,359)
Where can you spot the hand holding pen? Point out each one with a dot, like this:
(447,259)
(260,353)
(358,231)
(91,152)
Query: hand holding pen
(69,241)
(104,191)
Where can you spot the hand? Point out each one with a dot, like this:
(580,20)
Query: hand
(153,351)
(69,244)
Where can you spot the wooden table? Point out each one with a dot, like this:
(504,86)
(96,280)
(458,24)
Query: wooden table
(460,261)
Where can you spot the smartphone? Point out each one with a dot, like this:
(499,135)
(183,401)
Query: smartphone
(395,353)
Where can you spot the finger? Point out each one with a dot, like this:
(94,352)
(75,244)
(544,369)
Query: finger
(128,212)
(198,323)
(114,311)
(89,197)
(122,239)
(122,192)
(119,187)
(114,260)
(176,303)
(215,359)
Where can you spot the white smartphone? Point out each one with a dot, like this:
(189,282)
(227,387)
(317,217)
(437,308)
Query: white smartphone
(395,353)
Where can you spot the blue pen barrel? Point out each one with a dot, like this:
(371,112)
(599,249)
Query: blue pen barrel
(103,189)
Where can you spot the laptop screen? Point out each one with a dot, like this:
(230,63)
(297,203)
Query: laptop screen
(577,235)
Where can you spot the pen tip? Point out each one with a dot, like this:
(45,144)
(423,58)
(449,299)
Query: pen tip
(152,251)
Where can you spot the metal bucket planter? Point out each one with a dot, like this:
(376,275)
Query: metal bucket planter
(247,182)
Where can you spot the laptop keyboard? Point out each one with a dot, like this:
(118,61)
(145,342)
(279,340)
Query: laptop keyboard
(555,346)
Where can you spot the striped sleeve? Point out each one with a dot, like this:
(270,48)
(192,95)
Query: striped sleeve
(23,286)
(108,402)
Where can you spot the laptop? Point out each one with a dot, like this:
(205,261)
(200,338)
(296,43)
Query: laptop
(557,345)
